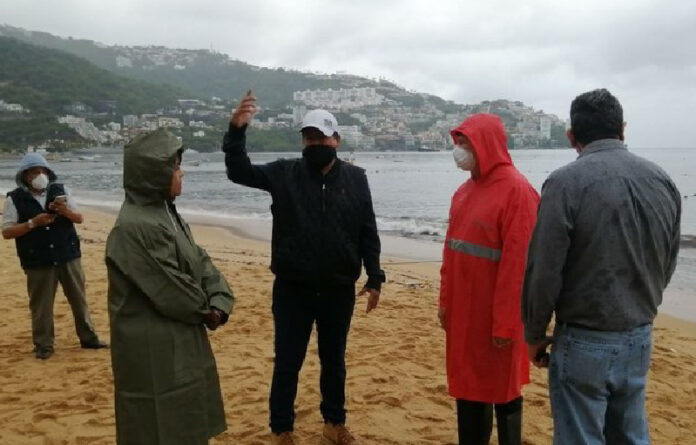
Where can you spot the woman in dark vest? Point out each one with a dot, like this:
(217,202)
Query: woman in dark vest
(40,216)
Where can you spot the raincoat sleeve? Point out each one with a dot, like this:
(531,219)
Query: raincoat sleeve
(215,285)
(370,246)
(147,257)
(547,256)
(445,296)
(517,225)
(240,170)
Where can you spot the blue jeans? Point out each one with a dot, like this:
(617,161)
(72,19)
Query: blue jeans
(597,386)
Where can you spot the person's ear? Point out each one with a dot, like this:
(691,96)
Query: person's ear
(623,132)
(333,141)
(571,138)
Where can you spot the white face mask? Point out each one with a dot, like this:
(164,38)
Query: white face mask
(464,158)
(40,182)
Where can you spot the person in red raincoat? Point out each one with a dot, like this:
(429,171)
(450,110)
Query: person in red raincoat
(491,220)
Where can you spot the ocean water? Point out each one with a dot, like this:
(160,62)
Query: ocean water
(411,195)
(411,191)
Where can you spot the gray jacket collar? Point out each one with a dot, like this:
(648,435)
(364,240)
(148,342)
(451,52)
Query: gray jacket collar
(602,145)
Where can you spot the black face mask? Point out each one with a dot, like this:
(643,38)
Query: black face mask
(319,156)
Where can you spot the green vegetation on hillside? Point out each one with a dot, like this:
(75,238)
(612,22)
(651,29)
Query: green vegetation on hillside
(22,132)
(257,140)
(46,80)
(285,139)
(211,74)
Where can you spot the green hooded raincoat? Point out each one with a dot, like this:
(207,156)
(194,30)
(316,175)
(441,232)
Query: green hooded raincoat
(161,286)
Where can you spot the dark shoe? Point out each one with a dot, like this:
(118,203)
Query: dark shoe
(96,345)
(43,354)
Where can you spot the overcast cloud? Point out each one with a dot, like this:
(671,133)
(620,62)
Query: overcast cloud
(541,52)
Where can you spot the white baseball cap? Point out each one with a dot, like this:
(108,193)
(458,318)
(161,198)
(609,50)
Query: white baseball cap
(322,120)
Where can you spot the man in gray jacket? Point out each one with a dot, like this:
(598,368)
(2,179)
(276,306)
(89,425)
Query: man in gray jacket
(603,250)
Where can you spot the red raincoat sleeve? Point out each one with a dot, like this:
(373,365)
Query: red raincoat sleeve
(518,223)
(445,297)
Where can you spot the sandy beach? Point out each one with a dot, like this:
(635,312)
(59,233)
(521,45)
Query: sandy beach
(396,376)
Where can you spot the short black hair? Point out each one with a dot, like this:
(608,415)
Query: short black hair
(313,133)
(596,115)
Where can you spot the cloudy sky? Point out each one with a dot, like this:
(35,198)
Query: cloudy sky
(542,52)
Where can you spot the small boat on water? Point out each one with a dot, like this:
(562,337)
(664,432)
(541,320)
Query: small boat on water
(88,158)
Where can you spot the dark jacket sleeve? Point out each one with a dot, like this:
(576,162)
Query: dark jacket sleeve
(240,170)
(370,246)
(546,259)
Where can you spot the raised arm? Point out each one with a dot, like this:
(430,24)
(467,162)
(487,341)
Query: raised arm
(240,170)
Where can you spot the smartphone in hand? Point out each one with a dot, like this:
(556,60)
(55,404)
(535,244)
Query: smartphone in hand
(60,199)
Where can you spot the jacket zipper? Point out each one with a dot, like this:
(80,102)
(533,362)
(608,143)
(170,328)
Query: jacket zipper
(322,235)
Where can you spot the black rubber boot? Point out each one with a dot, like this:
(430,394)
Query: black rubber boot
(475,422)
(509,420)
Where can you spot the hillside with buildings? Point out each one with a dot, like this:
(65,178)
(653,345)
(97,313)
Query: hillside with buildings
(202,87)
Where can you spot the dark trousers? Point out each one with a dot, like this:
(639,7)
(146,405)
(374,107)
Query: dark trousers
(296,308)
(475,422)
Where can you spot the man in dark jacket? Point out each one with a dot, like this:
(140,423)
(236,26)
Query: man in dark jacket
(603,250)
(40,216)
(324,229)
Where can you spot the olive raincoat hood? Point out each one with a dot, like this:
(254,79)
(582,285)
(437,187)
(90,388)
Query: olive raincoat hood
(161,286)
(149,160)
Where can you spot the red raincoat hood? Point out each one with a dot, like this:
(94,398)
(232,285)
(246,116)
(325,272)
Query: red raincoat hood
(488,141)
